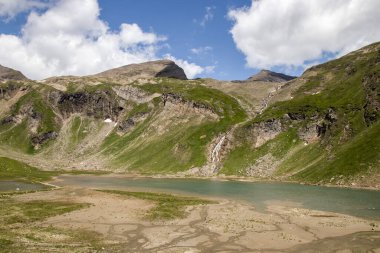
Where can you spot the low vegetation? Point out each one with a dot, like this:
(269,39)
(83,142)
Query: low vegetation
(14,170)
(20,231)
(167,206)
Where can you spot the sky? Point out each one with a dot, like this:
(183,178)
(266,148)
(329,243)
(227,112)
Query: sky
(221,39)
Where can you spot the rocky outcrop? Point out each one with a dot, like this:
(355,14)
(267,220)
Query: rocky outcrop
(99,104)
(9,89)
(270,76)
(195,106)
(371,84)
(264,131)
(43,138)
(264,167)
(8,74)
(134,94)
(161,68)
(130,123)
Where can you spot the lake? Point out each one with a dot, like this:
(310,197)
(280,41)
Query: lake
(356,202)
(10,186)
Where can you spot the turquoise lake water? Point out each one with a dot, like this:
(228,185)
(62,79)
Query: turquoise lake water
(357,202)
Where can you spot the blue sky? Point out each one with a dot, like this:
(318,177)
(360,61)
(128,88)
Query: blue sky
(222,39)
(181,22)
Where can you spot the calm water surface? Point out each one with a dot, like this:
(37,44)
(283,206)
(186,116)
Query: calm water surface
(6,186)
(361,203)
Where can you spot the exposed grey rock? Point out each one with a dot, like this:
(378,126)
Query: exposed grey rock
(44,137)
(265,131)
(98,104)
(371,85)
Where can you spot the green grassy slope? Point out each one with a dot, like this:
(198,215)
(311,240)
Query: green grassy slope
(14,170)
(167,125)
(181,147)
(343,97)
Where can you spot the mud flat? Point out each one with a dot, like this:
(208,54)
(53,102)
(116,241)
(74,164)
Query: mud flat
(121,225)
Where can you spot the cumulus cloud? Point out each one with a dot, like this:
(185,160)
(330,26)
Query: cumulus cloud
(10,8)
(69,38)
(295,33)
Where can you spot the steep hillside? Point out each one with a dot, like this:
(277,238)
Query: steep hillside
(148,125)
(322,127)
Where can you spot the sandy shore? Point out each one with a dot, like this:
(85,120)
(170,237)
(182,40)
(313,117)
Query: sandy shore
(224,227)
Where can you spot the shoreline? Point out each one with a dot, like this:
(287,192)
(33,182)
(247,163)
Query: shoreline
(221,178)
(224,226)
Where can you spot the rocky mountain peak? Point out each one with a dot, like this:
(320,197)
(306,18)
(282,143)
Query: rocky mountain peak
(270,76)
(160,68)
(11,74)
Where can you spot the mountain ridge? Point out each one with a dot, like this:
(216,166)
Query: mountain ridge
(322,127)
(270,76)
(11,74)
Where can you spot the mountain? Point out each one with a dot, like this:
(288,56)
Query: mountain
(270,76)
(160,68)
(7,74)
(322,127)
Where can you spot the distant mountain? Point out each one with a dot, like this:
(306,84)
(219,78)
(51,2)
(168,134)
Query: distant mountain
(11,74)
(270,76)
(322,127)
(152,69)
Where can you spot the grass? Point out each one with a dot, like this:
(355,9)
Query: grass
(14,170)
(241,157)
(40,106)
(350,145)
(182,146)
(139,109)
(303,157)
(79,130)
(20,233)
(25,212)
(167,207)
(17,137)
(353,158)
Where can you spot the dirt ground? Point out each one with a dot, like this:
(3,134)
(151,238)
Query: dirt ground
(224,227)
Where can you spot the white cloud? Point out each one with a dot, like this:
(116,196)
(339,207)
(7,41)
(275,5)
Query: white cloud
(191,69)
(10,8)
(209,15)
(201,50)
(292,33)
(69,38)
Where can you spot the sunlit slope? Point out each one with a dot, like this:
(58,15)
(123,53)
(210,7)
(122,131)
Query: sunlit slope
(324,127)
(160,124)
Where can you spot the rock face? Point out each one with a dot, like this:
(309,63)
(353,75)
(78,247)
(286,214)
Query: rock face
(8,74)
(98,104)
(269,76)
(161,68)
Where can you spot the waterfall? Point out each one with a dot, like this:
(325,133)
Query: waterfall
(216,150)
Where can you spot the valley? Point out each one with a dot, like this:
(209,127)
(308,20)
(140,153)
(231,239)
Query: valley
(140,159)
(147,119)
